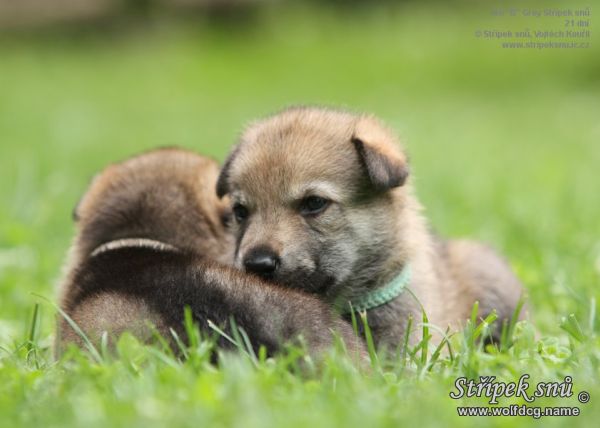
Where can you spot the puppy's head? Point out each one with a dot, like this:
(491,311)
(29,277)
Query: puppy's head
(314,194)
(165,195)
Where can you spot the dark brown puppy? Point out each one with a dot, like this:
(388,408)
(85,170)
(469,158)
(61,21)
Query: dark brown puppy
(323,201)
(150,233)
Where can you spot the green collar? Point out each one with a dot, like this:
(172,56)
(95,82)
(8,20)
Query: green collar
(381,295)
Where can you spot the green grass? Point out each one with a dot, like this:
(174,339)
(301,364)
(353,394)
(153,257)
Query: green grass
(504,146)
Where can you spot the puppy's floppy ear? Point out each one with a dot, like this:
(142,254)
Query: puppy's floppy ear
(377,150)
(223,180)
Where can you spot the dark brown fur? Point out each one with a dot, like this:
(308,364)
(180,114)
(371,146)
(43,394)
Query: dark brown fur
(167,196)
(371,228)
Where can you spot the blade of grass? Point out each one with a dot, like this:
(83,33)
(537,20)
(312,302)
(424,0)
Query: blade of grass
(219,331)
(104,346)
(87,342)
(425,339)
(156,335)
(191,328)
(510,329)
(369,339)
(405,342)
(248,343)
(484,324)
(243,342)
(33,332)
(571,326)
(180,345)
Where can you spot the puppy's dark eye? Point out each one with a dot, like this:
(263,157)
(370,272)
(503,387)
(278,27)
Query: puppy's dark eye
(313,205)
(240,212)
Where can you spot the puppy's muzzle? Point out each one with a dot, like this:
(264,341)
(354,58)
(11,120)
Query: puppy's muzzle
(262,261)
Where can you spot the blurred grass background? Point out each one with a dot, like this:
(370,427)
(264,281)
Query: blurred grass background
(504,142)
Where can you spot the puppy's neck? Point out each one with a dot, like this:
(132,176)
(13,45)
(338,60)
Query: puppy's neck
(407,244)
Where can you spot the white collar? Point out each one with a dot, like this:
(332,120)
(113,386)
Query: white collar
(133,242)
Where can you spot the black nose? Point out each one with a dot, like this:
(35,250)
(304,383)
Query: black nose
(262,261)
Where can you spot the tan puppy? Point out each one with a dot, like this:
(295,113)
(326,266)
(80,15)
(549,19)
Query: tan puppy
(323,202)
(149,233)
